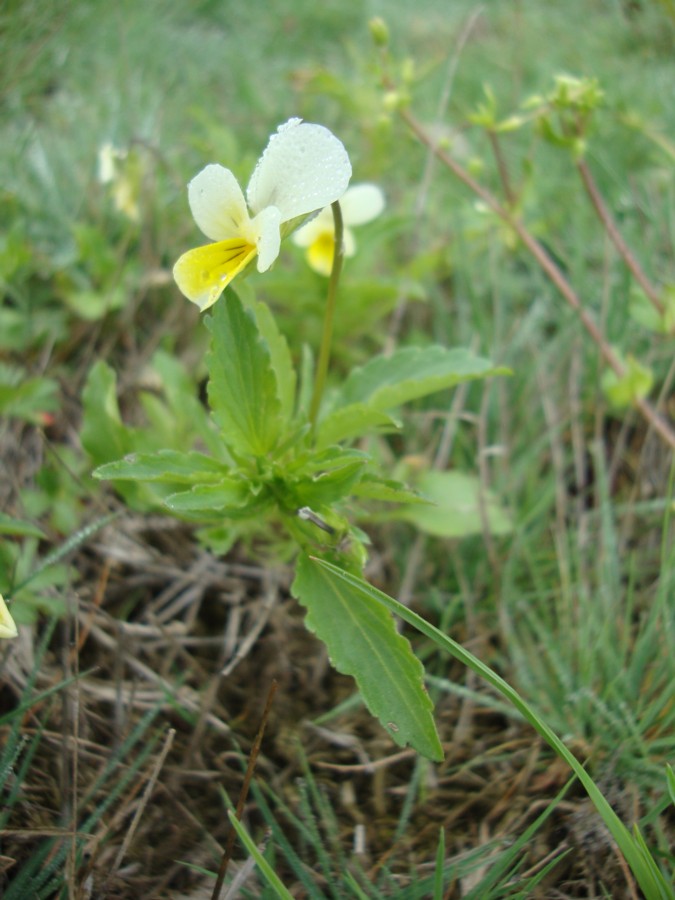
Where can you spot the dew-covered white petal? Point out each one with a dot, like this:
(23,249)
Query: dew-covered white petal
(304,168)
(218,205)
(267,228)
(361,203)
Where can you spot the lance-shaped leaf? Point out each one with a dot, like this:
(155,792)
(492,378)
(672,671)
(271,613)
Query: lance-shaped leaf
(166,466)
(10,525)
(243,391)
(388,381)
(363,642)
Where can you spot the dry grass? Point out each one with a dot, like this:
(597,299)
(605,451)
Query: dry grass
(160,626)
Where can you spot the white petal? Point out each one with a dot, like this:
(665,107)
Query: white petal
(218,204)
(361,203)
(267,228)
(304,168)
(349,242)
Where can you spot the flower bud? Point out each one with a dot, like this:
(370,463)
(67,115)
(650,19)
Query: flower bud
(379,31)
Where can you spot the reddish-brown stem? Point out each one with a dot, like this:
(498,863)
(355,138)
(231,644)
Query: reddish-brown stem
(615,236)
(657,422)
(501,167)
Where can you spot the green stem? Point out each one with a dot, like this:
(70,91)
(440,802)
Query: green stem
(327,337)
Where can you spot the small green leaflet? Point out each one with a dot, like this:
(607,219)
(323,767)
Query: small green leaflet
(363,642)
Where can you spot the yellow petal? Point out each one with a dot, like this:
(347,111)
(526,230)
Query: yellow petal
(320,253)
(7,624)
(203,274)
(322,249)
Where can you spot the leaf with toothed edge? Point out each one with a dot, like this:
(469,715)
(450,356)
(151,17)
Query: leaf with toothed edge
(363,642)
(243,390)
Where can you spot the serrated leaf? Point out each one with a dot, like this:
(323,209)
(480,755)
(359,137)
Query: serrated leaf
(187,416)
(330,486)
(456,508)
(323,460)
(106,438)
(388,381)
(231,497)
(352,421)
(363,642)
(103,435)
(280,356)
(373,487)
(168,466)
(243,391)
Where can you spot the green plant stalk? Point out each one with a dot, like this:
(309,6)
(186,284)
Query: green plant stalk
(634,851)
(329,317)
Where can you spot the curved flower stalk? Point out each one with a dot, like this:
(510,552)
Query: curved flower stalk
(303,169)
(361,203)
(7,623)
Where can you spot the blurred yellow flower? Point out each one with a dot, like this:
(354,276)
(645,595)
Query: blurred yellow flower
(304,168)
(7,624)
(360,203)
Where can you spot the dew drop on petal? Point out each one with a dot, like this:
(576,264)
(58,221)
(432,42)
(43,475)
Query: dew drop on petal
(304,168)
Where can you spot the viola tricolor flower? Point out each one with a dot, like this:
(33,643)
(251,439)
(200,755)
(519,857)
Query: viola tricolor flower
(360,203)
(303,169)
(7,624)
